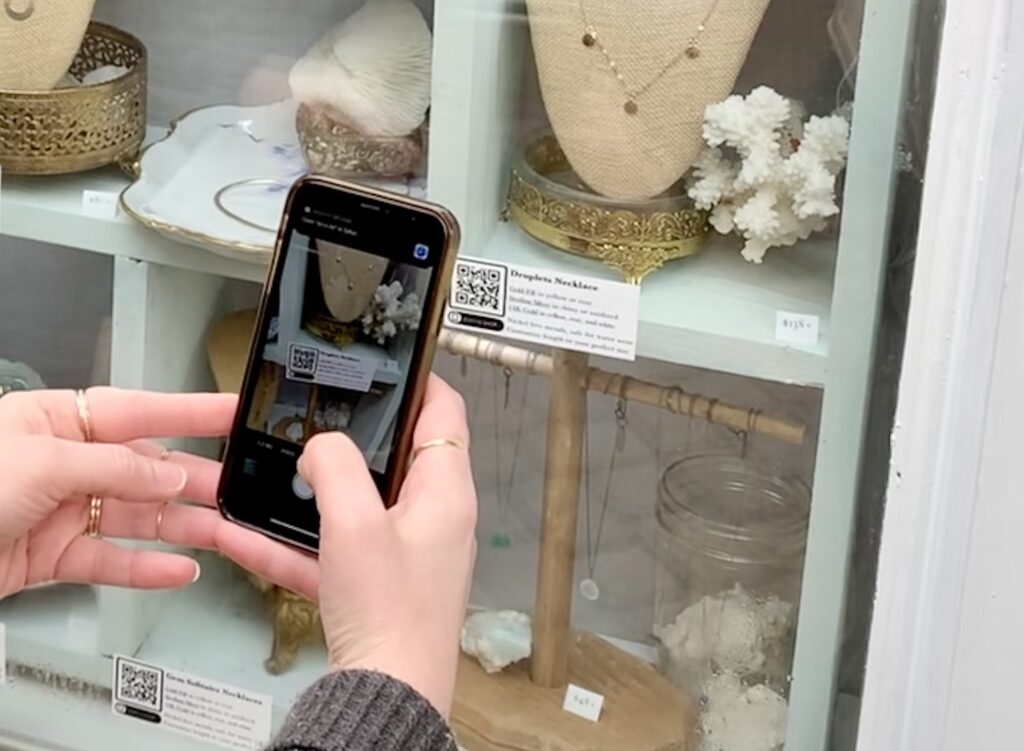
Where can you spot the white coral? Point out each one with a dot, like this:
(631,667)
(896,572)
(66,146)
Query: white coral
(390,313)
(781,189)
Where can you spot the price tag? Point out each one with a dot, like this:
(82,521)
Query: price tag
(3,655)
(99,204)
(796,328)
(583,703)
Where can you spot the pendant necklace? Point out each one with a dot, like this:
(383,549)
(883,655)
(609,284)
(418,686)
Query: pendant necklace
(589,587)
(350,282)
(19,14)
(691,51)
(502,538)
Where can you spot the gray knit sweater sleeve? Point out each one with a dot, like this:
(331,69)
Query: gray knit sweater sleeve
(362,711)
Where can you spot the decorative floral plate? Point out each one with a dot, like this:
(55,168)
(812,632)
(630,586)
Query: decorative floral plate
(220,177)
(206,152)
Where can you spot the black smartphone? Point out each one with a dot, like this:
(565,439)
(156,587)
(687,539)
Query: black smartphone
(344,341)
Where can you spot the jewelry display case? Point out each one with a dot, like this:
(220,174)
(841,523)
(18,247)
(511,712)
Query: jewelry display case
(683,526)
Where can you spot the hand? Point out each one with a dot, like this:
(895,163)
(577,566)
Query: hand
(394,583)
(49,474)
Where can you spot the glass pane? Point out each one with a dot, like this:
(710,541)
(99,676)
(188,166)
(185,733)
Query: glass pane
(688,232)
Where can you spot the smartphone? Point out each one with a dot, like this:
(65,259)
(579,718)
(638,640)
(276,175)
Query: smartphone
(344,341)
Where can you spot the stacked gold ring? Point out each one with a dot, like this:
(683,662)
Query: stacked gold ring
(85,424)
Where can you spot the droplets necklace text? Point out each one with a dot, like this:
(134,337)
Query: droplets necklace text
(691,51)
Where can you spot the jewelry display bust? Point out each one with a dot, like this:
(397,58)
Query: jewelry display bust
(38,41)
(625,89)
(349,279)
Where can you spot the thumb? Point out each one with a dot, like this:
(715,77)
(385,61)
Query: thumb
(336,470)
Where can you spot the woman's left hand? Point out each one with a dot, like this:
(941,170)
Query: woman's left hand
(48,473)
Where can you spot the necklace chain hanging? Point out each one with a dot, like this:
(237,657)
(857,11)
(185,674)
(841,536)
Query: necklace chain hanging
(589,587)
(23,14)
(691,51)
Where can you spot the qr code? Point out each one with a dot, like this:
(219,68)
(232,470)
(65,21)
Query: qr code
(139,685)
(302,361)
(479,287)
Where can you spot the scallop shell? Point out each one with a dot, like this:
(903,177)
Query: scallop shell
(373,69)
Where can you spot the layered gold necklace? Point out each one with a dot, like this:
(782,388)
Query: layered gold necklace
(691,51)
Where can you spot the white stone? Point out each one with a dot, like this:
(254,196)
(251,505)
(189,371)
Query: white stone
(737,717)
(497,639)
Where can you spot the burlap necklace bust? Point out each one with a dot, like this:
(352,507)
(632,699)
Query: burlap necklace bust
(39,40)
(349,279)
(637,155)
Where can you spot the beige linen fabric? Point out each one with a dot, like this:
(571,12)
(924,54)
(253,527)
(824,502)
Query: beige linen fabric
(36,53)
(636,156)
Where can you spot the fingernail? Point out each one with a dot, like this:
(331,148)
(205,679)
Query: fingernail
(170,476)
(199,572)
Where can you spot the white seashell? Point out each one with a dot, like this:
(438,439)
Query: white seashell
(497,638)
(373,69)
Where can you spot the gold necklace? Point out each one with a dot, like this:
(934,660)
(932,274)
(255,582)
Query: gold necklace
(691,52)
(350,282)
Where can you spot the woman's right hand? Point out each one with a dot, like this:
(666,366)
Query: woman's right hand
(394,583)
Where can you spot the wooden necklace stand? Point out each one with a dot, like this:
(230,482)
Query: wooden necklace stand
(521,707)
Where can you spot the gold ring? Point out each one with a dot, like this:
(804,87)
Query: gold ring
(84,416)
(160,522)
(437,443)
(92,529)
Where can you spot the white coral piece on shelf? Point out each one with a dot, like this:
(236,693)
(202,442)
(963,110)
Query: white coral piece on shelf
(781,188)
(373,69)
(390,313)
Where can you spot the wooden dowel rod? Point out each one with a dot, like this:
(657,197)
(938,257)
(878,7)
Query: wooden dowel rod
(671,398)
(567,423)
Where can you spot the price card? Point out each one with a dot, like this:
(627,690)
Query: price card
(796,328)
(200,708)
(583,703)
(99,204)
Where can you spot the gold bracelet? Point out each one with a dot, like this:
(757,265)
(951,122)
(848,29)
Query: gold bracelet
(633,237)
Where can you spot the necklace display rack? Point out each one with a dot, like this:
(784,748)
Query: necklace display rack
(522,707)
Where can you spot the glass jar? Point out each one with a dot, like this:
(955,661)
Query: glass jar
(730,544)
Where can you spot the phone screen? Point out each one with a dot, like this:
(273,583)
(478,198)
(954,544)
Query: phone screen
(338,348)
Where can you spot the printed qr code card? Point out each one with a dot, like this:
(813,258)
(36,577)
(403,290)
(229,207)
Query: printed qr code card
(196,707)
(539,306)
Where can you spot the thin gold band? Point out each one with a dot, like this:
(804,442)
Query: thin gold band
(92,528)
(160,522)
(84,416)
(438,443)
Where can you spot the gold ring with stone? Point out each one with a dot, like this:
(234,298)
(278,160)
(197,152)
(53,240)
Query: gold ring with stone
(84,416)
(92,528)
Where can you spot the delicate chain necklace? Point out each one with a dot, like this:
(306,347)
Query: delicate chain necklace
(691,52)
(347,274)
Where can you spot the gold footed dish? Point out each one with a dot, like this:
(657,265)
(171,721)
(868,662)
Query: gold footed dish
(333,149)
(81,127)
(634,237)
